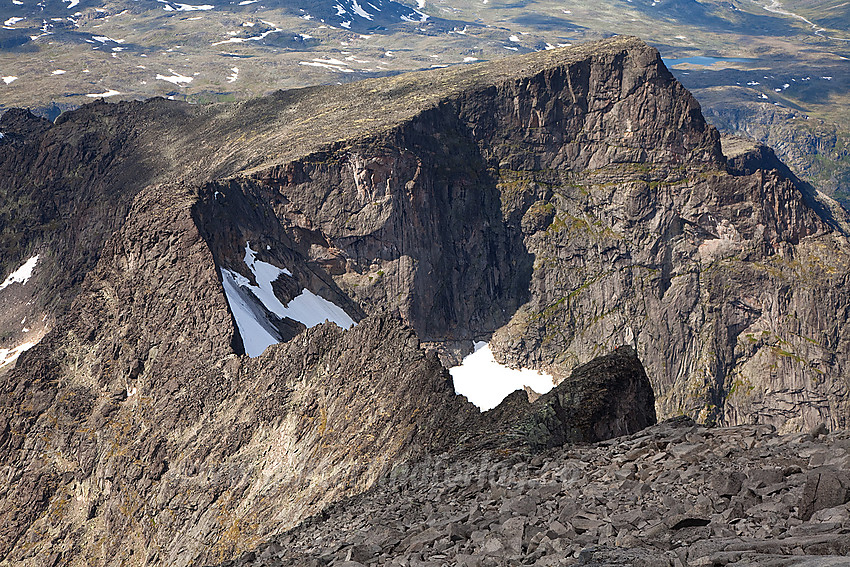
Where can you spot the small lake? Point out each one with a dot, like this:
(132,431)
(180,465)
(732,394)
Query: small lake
(705,61)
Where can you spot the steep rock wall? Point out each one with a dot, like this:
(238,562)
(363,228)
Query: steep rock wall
(577,208)
(132,435)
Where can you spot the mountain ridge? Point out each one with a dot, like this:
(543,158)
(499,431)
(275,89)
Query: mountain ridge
(560,213)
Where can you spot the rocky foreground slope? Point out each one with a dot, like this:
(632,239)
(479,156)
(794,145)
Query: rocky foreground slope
(673,495)
(558,205)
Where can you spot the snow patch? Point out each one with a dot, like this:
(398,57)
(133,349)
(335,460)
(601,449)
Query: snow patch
(13,21)
(71,3)
(421,19)
(9,356)
(190,8)
(312,310)
(486,383)
(256,331)
(262,36)
(9,79)
(108,93)
(104,39)
(232,79)
(262,270)
(59,72)
(175,77)
(333,64)
(358,10)
(22,274)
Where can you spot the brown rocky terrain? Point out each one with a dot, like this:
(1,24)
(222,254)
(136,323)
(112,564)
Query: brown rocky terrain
(673,495)
(559,204)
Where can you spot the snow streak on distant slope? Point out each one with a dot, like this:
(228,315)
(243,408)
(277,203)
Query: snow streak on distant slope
(22,274)
(486,383)
(175,77)
(369,13)
(110,92)
(260,37)
(256,330)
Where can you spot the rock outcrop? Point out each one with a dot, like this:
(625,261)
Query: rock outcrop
(183,452)
(607,397)
(816,149)
(559,204)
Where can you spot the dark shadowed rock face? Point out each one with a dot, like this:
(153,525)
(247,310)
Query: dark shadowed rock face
(559,205)
(561,211)
(607,397)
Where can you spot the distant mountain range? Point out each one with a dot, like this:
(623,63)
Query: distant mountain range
(775,71)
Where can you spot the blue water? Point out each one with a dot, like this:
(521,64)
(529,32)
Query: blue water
(704,61)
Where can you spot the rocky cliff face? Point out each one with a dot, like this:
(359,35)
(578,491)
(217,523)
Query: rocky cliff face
(133,435)
(559,205)
(570,209)
(816,149)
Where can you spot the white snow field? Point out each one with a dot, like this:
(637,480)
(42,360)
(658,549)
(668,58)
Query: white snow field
(486,383)
(256,330)
(110,92)
(22,274)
